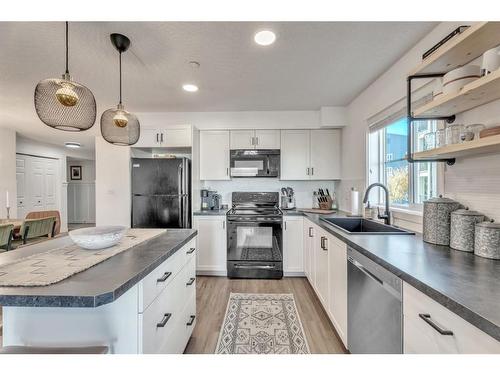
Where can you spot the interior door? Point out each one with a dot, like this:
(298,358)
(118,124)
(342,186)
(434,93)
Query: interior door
(295,155)
(21,186)
(267,139)
(36,183)
(325,154)
(50,182)
(242,139)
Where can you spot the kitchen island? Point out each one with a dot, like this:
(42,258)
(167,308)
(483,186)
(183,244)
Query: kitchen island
(142,300)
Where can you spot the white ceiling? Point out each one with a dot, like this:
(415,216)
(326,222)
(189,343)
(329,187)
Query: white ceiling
(312,64)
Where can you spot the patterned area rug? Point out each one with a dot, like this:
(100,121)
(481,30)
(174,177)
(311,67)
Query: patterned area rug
(262,324)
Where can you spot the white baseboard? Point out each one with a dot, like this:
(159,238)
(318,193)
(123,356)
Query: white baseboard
(211,273)
(294,274)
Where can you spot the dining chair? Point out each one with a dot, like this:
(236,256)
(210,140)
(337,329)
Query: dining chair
(45,214)
(6,231)
(35,228)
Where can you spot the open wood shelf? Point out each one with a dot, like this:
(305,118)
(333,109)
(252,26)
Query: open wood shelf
(476,147)
(461,49)
(481,91)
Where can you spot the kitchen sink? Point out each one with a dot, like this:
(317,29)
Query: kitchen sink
(356,225)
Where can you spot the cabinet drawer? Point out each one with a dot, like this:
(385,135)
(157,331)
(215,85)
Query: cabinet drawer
(420,313)
(190,318)
(154,283)
(160,319)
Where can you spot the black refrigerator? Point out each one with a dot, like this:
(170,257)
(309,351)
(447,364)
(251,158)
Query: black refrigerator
(161,193)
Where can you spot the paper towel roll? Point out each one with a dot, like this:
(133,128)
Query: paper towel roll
(354,202)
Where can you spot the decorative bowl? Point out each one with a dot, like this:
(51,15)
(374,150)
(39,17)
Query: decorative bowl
(97,237)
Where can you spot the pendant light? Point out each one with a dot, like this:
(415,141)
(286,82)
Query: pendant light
(118,126)
(64,104)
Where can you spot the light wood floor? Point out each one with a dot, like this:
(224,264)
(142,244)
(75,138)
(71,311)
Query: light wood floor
(212,295)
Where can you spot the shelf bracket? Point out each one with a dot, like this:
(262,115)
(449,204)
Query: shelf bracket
(411,119)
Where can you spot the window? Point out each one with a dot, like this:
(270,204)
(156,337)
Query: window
(409,184)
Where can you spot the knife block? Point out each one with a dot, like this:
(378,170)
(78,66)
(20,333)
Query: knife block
(326,205)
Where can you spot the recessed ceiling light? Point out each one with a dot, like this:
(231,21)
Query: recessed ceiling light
(189,87)
(265,37)
(72,144)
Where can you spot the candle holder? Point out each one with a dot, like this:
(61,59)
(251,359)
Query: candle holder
(8,212)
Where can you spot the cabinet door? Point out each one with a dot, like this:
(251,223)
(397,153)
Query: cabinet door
(295,155)
(337,285)
(267,139)
(242,139)
(325,154)
(308,235)
(211,252)
(321,267)
(293,240)
(149,138)
(214,155)
(176,137)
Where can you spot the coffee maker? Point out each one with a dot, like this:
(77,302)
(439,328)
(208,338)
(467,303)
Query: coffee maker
(210,200)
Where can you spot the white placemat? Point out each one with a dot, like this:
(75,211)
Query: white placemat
(54,265)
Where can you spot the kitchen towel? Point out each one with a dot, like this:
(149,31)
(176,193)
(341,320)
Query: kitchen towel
(54,265)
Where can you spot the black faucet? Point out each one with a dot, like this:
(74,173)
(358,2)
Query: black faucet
(387,215)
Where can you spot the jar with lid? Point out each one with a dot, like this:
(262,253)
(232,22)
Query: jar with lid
(436,220)
(463,226)
(453,133)
(487,240)
(440,137)
(429,141)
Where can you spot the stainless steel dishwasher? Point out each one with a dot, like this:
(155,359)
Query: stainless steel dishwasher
(374,307)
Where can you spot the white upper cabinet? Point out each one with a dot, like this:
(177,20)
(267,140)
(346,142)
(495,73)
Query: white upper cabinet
(293,242)
(255,139)
(214,155)
(173,136)
(295,155)
(267,139)
(242,139)
(325,154)
(310,154)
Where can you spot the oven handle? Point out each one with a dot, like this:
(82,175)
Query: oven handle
(250,266)
(254,221)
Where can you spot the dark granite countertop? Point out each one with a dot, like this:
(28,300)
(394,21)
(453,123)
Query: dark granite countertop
(100,284)
(221,212)
(464,283)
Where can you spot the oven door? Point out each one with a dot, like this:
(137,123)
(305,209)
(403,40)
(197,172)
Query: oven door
(255,163)
(254,248)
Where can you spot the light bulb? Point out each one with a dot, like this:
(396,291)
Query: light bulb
(66,96)
(120,119)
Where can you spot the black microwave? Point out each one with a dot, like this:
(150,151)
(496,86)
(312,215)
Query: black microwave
(255,163)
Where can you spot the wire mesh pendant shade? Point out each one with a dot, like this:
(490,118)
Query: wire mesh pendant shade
(64,104)
(120,127)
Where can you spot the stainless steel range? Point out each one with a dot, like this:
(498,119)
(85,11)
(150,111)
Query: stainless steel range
(254,236)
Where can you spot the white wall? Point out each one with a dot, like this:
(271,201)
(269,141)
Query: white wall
(303,189)
(113,201)
(88,170)
(81,193)
(8,172)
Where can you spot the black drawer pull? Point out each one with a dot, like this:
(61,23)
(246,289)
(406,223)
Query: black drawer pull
(191,281)
(164,321)
(191,320)
(165,276)
(427,318)
(190,251)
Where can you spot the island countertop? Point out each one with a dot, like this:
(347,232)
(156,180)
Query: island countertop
(100,284)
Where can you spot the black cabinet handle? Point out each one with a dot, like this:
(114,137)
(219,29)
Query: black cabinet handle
(161,137)
(191,250)
(191,320)
(164,321)
(310,232)
(191,281)
(427,318)
(165,276)
(157,138)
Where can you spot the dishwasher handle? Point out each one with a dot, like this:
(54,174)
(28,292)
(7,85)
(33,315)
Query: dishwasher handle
(365,271)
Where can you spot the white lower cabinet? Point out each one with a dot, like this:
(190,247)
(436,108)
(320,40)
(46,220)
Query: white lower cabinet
(308,235)
(293,253)
(212,250)
(430,328)
(321,267)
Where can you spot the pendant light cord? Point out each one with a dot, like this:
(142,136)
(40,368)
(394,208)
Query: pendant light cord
(67,48)
(120,78)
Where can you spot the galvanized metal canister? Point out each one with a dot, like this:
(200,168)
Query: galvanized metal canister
(487,240)
(437,216)
(463,226)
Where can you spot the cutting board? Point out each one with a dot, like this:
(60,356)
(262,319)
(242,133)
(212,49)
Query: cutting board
(316,211)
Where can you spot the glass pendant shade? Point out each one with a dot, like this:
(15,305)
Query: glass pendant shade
(64,104)
(120,127)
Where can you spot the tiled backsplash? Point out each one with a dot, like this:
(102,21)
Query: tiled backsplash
(303,189)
